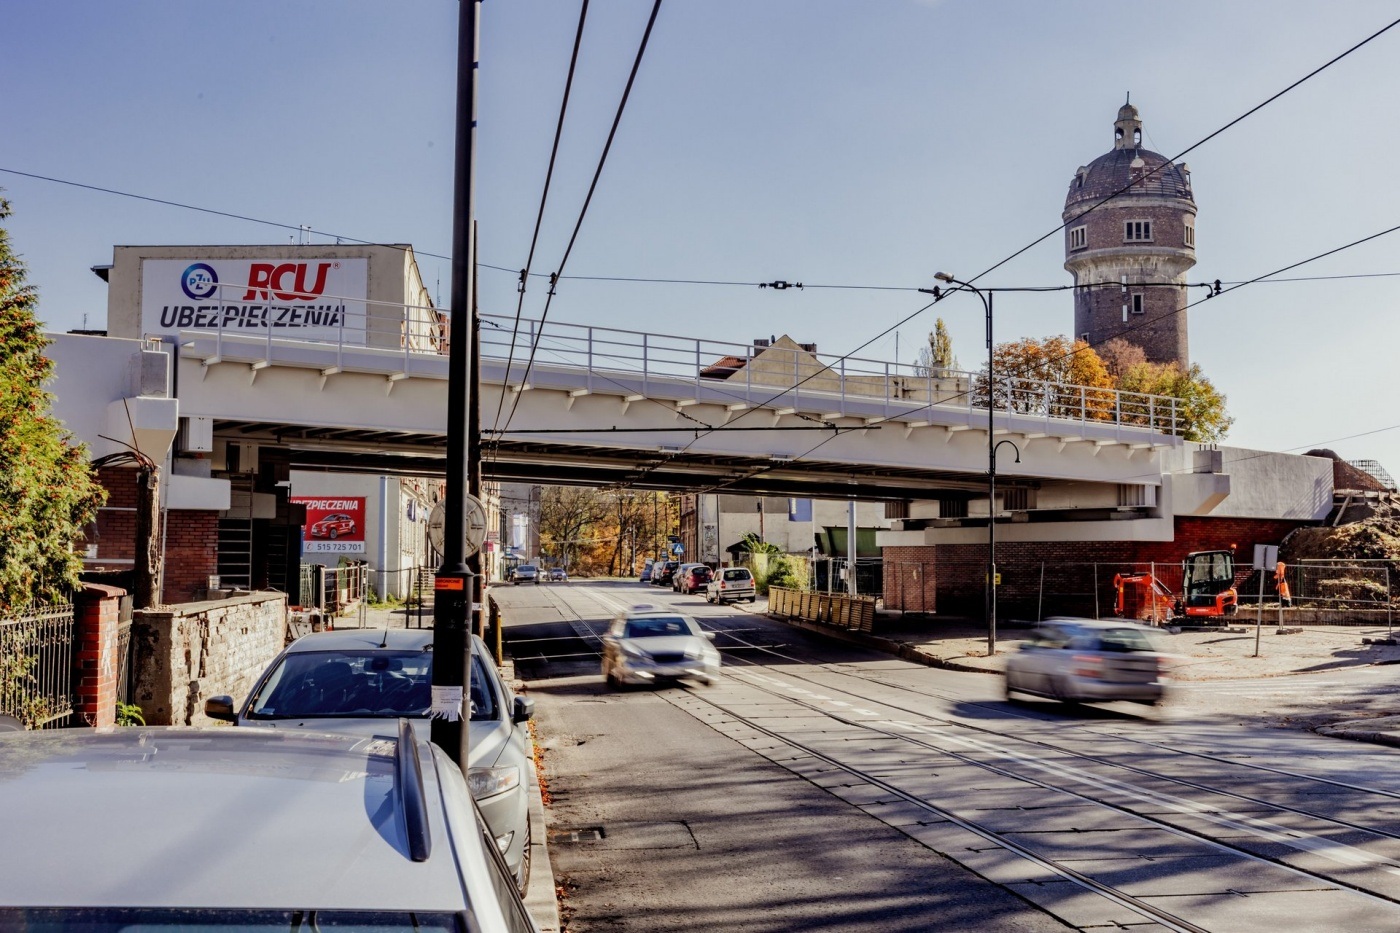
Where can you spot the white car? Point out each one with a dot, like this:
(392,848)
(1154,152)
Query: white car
(729,585)
(647,645)
(244,829)
(1087,660)
(361,681)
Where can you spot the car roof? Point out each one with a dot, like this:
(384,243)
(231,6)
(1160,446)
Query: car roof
(1055,621)
(220,818)
(364,639)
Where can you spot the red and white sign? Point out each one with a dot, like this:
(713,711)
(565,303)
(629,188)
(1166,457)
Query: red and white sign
(334,525)
(308,298)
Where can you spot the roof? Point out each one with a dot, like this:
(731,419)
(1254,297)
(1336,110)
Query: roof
(1147,172)
(157,817)
(366,639)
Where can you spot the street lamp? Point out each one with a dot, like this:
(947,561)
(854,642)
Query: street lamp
(992,446)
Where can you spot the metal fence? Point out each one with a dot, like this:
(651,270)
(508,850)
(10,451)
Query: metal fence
(36,665)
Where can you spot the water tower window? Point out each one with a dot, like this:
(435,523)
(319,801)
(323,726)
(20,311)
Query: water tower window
(1078,237)
(1190,234)
(1137,230)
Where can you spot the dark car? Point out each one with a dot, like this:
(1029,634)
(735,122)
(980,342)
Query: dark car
(694,578)
(663,573)
(646,571)
(333,526)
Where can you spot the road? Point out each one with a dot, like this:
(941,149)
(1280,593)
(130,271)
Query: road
(822,786)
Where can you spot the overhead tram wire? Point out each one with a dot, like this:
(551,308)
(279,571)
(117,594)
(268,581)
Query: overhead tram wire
(1235,287)
(544,198)
(583,211)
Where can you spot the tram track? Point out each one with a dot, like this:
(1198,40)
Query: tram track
(923,732)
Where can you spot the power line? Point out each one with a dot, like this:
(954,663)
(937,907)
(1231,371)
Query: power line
(588,199)
(544,198)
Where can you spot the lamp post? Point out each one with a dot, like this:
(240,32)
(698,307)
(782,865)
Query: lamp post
(992,446)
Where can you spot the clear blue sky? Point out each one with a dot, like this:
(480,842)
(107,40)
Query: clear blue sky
(821,141)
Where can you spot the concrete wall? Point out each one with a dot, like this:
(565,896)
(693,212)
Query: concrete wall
(183,655)
(1263,484)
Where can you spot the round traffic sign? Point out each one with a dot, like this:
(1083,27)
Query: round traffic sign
(475,531)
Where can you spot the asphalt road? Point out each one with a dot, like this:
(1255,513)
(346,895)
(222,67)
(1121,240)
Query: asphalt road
(822,786)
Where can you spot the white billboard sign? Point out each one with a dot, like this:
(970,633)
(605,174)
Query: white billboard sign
(305,298)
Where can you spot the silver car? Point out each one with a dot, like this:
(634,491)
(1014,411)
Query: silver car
(646,645)
(1087,660)
(361,681)
(729,585)
(244,829)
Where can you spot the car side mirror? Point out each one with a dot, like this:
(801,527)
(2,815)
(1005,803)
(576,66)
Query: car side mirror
(524,709)
(220,707)
(710,636)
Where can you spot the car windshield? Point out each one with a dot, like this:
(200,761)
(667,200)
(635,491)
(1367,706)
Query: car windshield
(655,626)
(525,568)
(366,684)
(120,920)
(1126,639)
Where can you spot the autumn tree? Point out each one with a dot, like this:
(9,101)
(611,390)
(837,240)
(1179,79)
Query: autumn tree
(1119,356)
(1051,376)
(567,518)
(936,356)
(47,489)
(1200,412)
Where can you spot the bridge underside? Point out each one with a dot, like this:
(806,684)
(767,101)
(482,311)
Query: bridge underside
(516,460)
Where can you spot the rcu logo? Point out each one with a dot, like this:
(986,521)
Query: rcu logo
(199,281)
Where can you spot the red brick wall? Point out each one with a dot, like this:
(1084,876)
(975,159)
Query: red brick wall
(1077,576)
(116,521)
(95,654)
(191,553)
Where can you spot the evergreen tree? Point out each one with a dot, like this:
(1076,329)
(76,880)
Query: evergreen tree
(47,490)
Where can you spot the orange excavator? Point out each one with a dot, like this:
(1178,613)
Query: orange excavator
(1207,590)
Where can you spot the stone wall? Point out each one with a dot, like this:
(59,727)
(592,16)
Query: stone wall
(183,655)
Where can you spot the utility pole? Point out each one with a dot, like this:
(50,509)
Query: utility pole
(454,586)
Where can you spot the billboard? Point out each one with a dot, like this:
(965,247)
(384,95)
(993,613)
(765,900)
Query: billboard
(333,525)
(316,299)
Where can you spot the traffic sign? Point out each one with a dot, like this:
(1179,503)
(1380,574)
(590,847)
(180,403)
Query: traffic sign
(476,526)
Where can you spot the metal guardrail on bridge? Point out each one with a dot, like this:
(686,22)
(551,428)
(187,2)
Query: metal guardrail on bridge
(607,359)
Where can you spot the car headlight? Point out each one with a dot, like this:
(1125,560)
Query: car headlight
(487,782)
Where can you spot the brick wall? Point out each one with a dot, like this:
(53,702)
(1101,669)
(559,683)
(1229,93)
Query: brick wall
(116,521)
(191,553)
(1043,578)
(183,655)
(97,610)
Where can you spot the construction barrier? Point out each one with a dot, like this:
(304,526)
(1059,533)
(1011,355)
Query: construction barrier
(852,613)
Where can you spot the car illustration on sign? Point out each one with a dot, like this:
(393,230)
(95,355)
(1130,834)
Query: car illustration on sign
(333,526)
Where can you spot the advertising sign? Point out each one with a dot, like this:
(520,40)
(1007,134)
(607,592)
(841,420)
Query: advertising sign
(306,298)
(333,525)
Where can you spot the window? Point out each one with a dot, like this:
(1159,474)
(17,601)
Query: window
(1078,237)
(1190,234)
(1137,304)
(1137,230)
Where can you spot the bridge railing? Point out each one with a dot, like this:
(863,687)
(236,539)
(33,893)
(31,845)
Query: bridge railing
(781,372)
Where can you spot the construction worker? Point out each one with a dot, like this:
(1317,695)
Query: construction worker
(1285,598)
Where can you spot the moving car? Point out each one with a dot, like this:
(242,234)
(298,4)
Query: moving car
(558,575)
(645,645)
(361,681)
(245,829)
(694,579)
(333,526)
(731,584)
(1087,660)
(526,573)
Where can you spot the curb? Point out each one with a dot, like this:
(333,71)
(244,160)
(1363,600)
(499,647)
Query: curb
(1356,735)
(541,899)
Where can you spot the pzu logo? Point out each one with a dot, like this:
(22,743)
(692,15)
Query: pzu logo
(199,281)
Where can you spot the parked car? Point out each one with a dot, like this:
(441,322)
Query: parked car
(729,585)
(245,829)
(646,571)
(526,573)
(333,526)
(558,575)
(1074,660)
(361,681)
(663,572)
(645,645)
(694,579)
(679,575)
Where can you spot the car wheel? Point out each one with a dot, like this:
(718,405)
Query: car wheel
(1061,691)
(334,534)
(523,881)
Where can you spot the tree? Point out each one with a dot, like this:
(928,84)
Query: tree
(1119,356)
(567,517)
(936,356)
(47,489)
(1052,376)
(1200,412)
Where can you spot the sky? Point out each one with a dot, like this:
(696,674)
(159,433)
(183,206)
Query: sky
(826,142)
